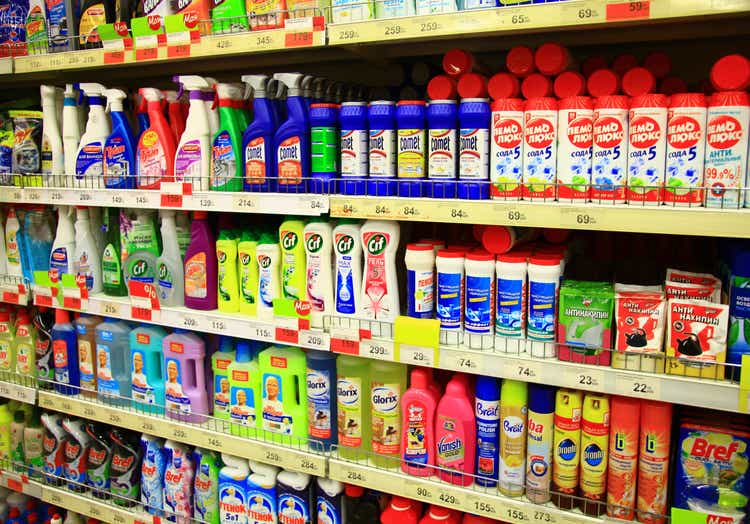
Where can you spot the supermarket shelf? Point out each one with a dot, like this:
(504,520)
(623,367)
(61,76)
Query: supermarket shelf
(20,483)
(99,509)
(6,66)
(13,391)
(266,203)
(284,456)
(588,216)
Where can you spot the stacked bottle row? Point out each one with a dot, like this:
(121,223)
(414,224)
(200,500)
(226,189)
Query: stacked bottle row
(19,508)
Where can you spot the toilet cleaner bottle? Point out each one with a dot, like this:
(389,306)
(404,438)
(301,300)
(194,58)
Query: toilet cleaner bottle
(61,259)
(156,146)
(295,497)
(89,166)
(258,139)
(228,292)
(233,489)
(262,499)
(247,266)
(120,145)
(193,156)
(292,138)
(227,167)
(206,486)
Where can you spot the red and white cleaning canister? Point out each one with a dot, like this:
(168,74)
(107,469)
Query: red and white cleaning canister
(647,149)
(575,126)
(506,148)
(540,149)
(609,164)
(686,149)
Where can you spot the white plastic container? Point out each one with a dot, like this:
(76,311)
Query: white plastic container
(609,170)
(192,159)
(63,248)
(506,145)
(540,149)
(318,237)
(420,280)
(71,133)
(89,169)
(686,149)
(449,296)
(575,127)
(347,245)
(479,300)
(53,163)
(87,258)
(380,291)
(170,283)
(12,251)
(544,274)
(268,255)
(510,312)
(647,149)
(3,255)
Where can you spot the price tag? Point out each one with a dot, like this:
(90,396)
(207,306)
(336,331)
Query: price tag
(633,10)
(314,340)
(482,505)
(353,475)
(170,200)
(110,309)
(11,297)
(345,346)
(527,370)
(588,379)
(418,355)
(14,484)
(378,349)
(450,498)
(458,361)
(265,333)
(246,203)
(182,31)
(418,491)
(190,321)
(148,33)
(43,296)
(287,335)
(144,303)
(638,386)
(417,340)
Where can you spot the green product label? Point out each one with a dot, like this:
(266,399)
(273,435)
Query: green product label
(166,282)
(141,271)
(585,317)
(325,150)
(111,269)
(223,292)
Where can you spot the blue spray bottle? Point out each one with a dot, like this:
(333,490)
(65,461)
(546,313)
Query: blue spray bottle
(258,139)
(321,400)
(261,493)
(487,412)
(65,353)
(295,497)
(292,138)
(120,146)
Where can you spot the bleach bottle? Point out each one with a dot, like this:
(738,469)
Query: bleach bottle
(65,354)
(321,398)
(156,146)
(113,355)
(54,437)
(206,486)
(193,159)
(261,494)
(295,497)
(90,155)
(220,361)
(99,459)
(233,486)
(71,133)
(329,507)
(292,138)
(257,140)
(120,145)
(185,392)
(244,389)
(87,257)
(226,164)
(178,480)
(147,369)
(283,372)
(152,473)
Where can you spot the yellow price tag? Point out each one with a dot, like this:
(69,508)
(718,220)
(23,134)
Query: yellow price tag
(417,340)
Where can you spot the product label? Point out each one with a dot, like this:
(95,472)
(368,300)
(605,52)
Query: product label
(142,391)
(176,399)
(487,413)
(609,155)
(59,262)
(106,382)
(140,270)
(267,290)
(188,162)
(510,315)
(75,462)
(177,481)
(479,304)
(539,452)
(451,443)
(46,155)
(567,434)
(505,150)
(290,263)
(205,494)
(116,163)
(24,357)
(442,154)
(512,448)
(86,368)
(411,153)
(640,321)
(221,389)
(12,253)
(58,24)
(289,161)
(196,279)
(686,149)
(223,160)
(242,410)
(450,294)
(316,272)
(382,153)
(386,418)
(111,266)
(165,283)
(377,300)
(327,511)
(5,352)
(574,148)
(416,452)
(83,267)
(90,162)
(275,418)
(292,509)
(248,277)
(542,310)
(324,143)
(95,15)
(151,159)
(594,446)
(540,154)
(45,365)
(98,465)
(696,334)
(225,294)
(354,152)
(345,295)
(262,508)
(349,403)
(420,291)
(255,161)
(319,400)
(646,154)
(726,155)
(473,156)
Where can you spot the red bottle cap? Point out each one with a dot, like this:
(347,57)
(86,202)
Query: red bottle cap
(658,63)
(512,257)
(441,87)
(61,316)
(593,64)
(451,252)
(507,104)
(728,99)
(497,239)
(672,84)
(624,63)
(479,256)
(569,83)
(546,259)
(520,61)
(576,102)
(556,236)
(457,62)
(472,85)
(612,102)
(419,247)
(536,86)
(731,73)
(688,100)
(603,82)
(354,491)
(541,103)
(551,59)
(638,81)
(503,85)
(649,100)
(200,215)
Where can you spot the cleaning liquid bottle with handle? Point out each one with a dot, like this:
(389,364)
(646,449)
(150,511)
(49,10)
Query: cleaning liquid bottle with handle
(226,162)
(90,155)
(71,133)
(53,164)
(113,372)
(283,373)
(120,146)
(156,146)
(193,157)
(220,362)
(201,267)
(292,138)
(244,390)
(87,258)
(170,271)
(147,368)
(257,140)
(61,259)
(185,389)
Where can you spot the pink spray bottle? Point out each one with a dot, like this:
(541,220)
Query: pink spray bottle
(185,387)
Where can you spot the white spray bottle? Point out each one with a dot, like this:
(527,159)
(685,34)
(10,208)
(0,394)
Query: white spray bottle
(89,168)
(170,271)
(193,158)
(87,261)
(62,256)
(53,163)
(71,133)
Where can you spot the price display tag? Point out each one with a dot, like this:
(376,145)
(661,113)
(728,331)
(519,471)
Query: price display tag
(287,335)
(246,203)
(14,484)
(461,361)
(115,41)
(298,39)
(144,302)
(351,474)
(419,491)
(182,31)
(344,345)
(378,349)
(633,10)
(172,193)
(417,340)
(640,386)
(265,333)
(584,378)
(148,34)
(314,339)
(482,505)
(527,370)
(110,309)
(417,355)
(11,297)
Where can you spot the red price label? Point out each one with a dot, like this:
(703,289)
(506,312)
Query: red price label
(10,297)
(347,347)
(143,290)
(171,200)
(71,302)
(178,51)
(298,39)
(289,336)
(114,57)
(43,300)
(633,10)
(140,313)
(15,485)
(149,53)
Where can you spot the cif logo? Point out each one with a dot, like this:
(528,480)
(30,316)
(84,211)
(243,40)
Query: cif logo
(264,261)
(244,259)
(222,256)
(347,392)
(314,242)
(289,240)
(344,244)
(384,398)
(376,244)
(593,455)
(317,385)
(567,449)
(163,271)
(139,268)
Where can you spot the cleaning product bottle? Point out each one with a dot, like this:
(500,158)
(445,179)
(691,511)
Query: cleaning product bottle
(455,433)
(183,231)
(120,145)
(3,255)
(12,249)
(347,244)
(318,246)
(99,459)
(513,408)
(233,489)
(622,471)
(206,486)
(146,368)
(487,412)
(321,398)
(295,500)
(125,467)
(261,493)
(244,390)
(174,113)
(87,258)
(401,511)
(227,171)
(653,460)
(201,265)
(158,7)
(186,397)
(153,467)
(229,16)
(324,147)
(93,13)
(17,427)
(53,163)
(380,291)
(76,451)
(37,39)
(329,501)
(293,275)
(283,372)
(113,281)
(7,342)
(248,273)
(87,355)
(142,247)
(595,452)
(258,139)
(228,292)
(353,405)
(44,321)
(387,385)
(178,480)
(171,279)
(220,361)
(292,138)
(193,157)
(268,254)
(63,249)
(156,146)
(54,436)
(209,99)
(33,446)
(418,406)
(67,375)
(89,164)
(567,444)
(113,355)
(71,133)
(539,440)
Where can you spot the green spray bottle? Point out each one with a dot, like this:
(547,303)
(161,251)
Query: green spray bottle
(142,244)
(248,273)
(114,283)
(206,486)
(293,257)
(244,387)
(227,165)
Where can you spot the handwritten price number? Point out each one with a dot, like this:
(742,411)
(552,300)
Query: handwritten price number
(382,210)
(223,44)
(272,456)
(393,30)
(84,197)
(264,41)
(308,465)
(114,418)
(516,515)
(459,213)
(485,507)
(525,371)
(448,499)
(586,13)
(356,476)
(205,202)
(263,333)
(111,309)
(89,412)
(189,321)
(179,433)
(348,35)
(586,380)
(520,19)
(347,209)
(410,211)
(147,426)
(542,516)
(516,216)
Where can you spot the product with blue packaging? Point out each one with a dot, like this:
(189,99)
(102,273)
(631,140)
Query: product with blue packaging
(487,412)
(411,116)
(442,120)
(354,148)
(381,117)
(474,149)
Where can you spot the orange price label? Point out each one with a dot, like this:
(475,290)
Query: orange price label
(10,297)
(347,347)
(140,313)
(178,51)
(72,302)
(15,485)
(171,200)
(149,53)
(298,39)
(633,10)
(289,336)
(43,300)
(114,57)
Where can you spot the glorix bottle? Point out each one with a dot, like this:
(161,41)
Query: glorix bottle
(53,165)
(89,164)
(193,157)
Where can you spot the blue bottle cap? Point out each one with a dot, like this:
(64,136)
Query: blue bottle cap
(439,189)
(487,388)
(353,186)
(473,191)
(541,398)
(410,188)
(384,187)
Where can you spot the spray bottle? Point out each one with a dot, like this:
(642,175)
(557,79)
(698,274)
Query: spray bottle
(174,112)
(61,259)
(120,146)
(89,166)
(594,453)
(257,140)
(261,493)
(171,277)
(567,447)
(71,133)
(87,258)
(112,277)
(292,138)
(206,488)
(53,165)
(226,163)
(541,415)
(209,100)
(193,157)
(156,146)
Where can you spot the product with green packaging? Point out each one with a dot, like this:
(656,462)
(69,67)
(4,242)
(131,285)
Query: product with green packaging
(248,273)
(142,245)
(585,321)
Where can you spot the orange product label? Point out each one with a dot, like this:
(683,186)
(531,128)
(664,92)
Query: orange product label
(176,347)
(222,363)
(241,376)
(255,161)
(278,362)
(143,338)
(196,282)
(60,352)
(289,158)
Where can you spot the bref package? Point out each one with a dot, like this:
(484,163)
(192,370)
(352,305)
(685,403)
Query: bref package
(686,149)
(609,167)
(647,148)
(540,148)
(506,146)
(575,126)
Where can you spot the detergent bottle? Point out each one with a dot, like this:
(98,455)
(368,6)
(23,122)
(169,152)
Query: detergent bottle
(7,339)
(387,385)
(206,486)
(329,501)
(65,354)
(17,427)
(52,146)
(113,381)
(113,281)
(258,139)
(418,405)
(233,489)
(283,372)
(321,398)
(99,459)
(44,320)
(6,418)
(261,502)
(513,409)
(71,134)
(141,246)
(120,145)
(186,397)
(170,271)
(201,265)
(76,452)
(125,468)
(54,436)
(268,254)
(89,164)
(156,146)
(318,248)
(226,164)
(153,467)
(183,231)
(220,361)
(380,291)
(178,480)
(295,497)
(146,369)
(228,292)
(193,158)
(86,335)
(248,273)
(487,412)
(455,434)
(347,245)
(33,446)
(244,390)
(352,387)
(567,447)
(229,16)
(292,138)
(87,257)
(293,275)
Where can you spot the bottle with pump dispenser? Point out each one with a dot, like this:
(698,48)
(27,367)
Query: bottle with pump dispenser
(226,162)
(120,145)
(156,146)
(193,156)
(170,270)
(53,162)
(89,164)
(292,138)
(258,153)
(87,258)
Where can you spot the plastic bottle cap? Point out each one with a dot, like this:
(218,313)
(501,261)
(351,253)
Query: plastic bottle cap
(479,256)
(354,491)
(520,61)
(658,63)
(503,85)
(729,98)
(419,247)
(603,82)
(541,398)
(536,86)
(420,378)
(200,215)
(457,62)
(545,260)
(593,64)
(497,239)
(541,103)
(569,83)
(576,102)
(512,257)
(688,100)
(649,100)
(624,63)
(638,81)
(451,252)
(731,73)
(507,104)
(672,84)
(472,85)
(61,316)
(551,59)
(441,87)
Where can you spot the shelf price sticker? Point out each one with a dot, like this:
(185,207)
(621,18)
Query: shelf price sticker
(526,370)
(144,302)
(416,340)
(462,361)
(314,339)
(587,379)
(172,193)
(640,386)
(182,32)
(378,349)
(417,355)
(345,340)
(148,35)
(115,41)
(632,10)
(75,294)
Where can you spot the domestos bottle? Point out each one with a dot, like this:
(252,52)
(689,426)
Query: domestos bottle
(420,280)
(324,146)
(510,315)
(354,148)
(442,120)
(347,245)
(506,145)
(610,149)
(474,148)
(544,282)
(686,149)
(647,148)
(381,117)
(575,127)
(540,148)
(479,299)
(412,147)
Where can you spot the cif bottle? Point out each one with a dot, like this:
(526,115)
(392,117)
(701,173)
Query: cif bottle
(141,245)
(112,275)
(54,436)
(193,156)
(24,345)
(353,406)
(99,459)
(146,369)
(120,145)
(87,357)
(258,139)
(513,408)
(292,138)
(455,434)
(6,418)
(487,412)
(87,257)
(33,446)
(380,292)
(387,385)
(329,501)
(248,273)
(89,164)
(244,390)
(293,274)
(206,486)
(186,397)
(220,361)
(283,372)
(171,279)
(201,265)
(52,146)
(113,358)
(226,163)
(156,146)
(228,292)
(63,248)
(318,246)
(153,467)
(125,467)
(294,497)
(233,489)
(71,134)
(321,399)
(76,451)
(347,245)
(268,254)
(65,354)
(261,493)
